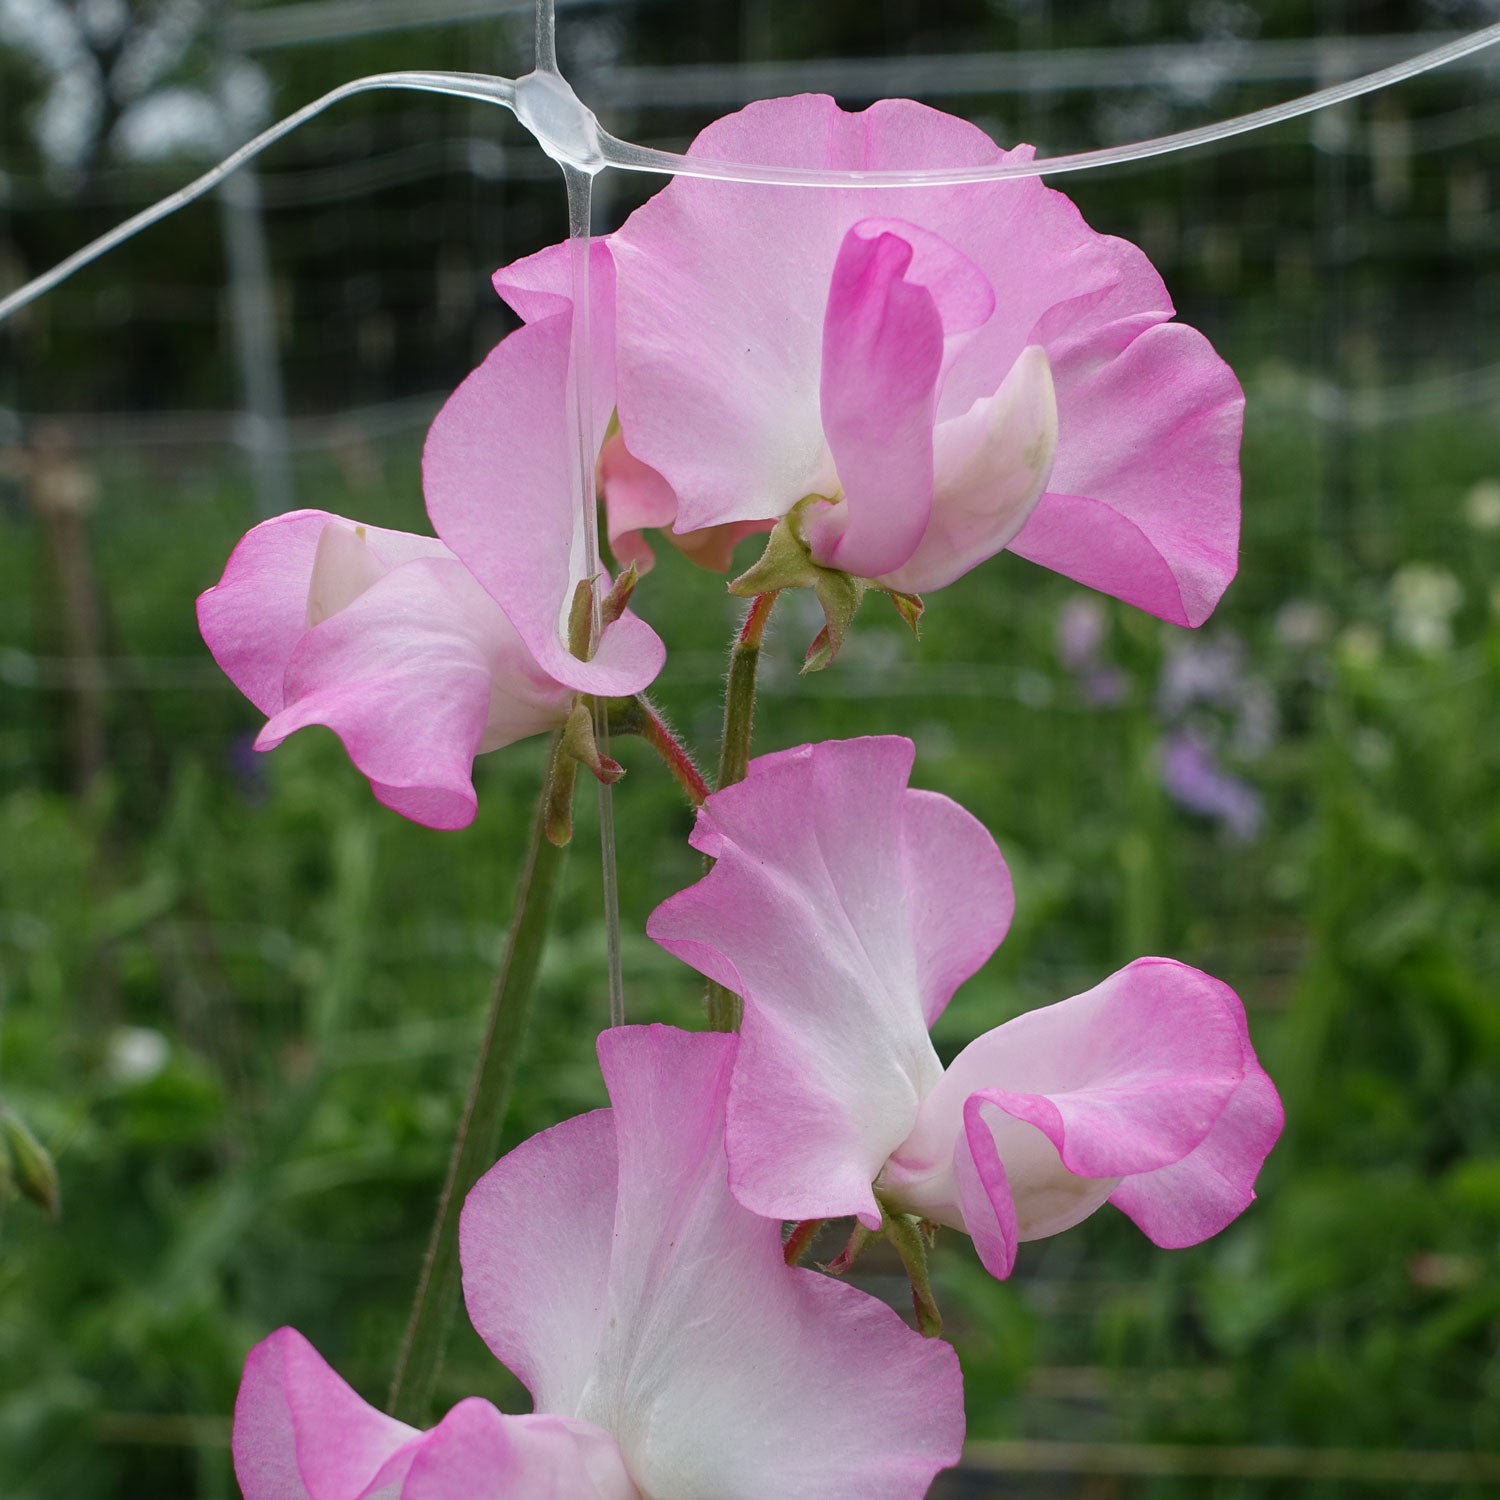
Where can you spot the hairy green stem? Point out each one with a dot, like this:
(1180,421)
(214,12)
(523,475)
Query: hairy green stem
(739,696)
(724,1005)
(478,1139)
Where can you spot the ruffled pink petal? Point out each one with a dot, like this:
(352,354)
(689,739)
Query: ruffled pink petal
(1127,1078)
(420,673)
(300,1432)
(476,1453)
(253,618)
(983,1204)
(846,909)
(723,1372)
(1143,500)
(498,472)
(991,466)
(535,1239)
(713,547)
(723,288)
(883,342)
(635,496)
(1193,1199)
(540,286)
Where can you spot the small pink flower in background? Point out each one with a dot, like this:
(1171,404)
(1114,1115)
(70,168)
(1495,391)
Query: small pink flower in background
(386,639)
(846,908)
(915,357)
(669,1350)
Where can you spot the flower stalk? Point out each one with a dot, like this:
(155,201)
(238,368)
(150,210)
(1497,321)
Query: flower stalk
(799,1241)
(478,1140)
(724,1006)
(739,697)
(638,715)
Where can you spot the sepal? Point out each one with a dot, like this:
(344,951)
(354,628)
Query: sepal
(787,563)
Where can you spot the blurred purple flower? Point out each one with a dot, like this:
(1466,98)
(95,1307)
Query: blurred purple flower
(1082,626)
(1209,703)
(1195,780)
(1210,671)
(247,768)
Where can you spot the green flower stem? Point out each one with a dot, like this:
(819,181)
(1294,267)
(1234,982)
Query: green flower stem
(478,1139)
(905,1232)
(739,696)
(734,757)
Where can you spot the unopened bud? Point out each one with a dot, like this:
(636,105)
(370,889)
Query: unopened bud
(581,620)
(35,1174)
(578,741)
(617,600)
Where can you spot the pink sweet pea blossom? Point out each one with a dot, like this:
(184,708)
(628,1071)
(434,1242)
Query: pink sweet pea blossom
(386,639)
(846,908)
(670,1351)
(952,370)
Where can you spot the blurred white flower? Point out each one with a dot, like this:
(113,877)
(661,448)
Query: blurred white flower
(136,1054)
(1482,505)
(1424,600)
(1303,623)
(171,122)
(1361,645)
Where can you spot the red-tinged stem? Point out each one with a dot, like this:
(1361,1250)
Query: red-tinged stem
(655,731)
(800,1240)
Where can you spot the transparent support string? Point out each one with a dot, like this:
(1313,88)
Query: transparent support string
(580,206)
(606,150)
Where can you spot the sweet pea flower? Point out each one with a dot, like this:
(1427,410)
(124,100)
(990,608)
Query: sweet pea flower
(846,908)
(499,473)
(388,640)
(920,377)
(672,1355)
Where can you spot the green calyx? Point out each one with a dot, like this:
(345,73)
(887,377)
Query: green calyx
(787,563)
(581,640)
(576,745)
(911,1236)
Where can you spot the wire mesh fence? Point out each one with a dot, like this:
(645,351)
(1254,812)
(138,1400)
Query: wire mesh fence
(316,1007)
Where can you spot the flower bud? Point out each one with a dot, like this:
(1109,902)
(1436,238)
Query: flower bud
(34,1172)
